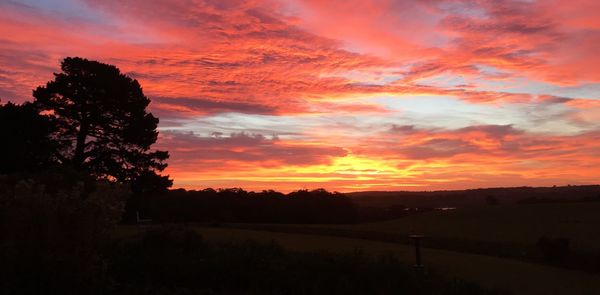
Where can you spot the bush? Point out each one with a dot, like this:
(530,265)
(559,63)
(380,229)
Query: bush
(51,238)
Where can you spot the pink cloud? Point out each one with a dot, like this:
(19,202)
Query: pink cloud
(227,152)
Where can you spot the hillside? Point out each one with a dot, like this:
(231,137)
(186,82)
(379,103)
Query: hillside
(475,197)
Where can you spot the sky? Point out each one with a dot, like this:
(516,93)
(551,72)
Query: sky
(344,95)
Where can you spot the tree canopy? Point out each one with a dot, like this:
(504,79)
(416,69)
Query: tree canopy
(90,119)
(101,123)
(26,145)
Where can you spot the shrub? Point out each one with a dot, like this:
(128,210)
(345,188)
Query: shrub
(51,239)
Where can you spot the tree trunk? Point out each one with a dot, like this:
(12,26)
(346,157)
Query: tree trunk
(79,158)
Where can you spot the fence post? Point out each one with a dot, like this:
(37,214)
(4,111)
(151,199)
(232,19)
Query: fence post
(417,241)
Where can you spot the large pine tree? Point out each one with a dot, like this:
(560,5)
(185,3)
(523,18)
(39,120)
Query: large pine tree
(103,127)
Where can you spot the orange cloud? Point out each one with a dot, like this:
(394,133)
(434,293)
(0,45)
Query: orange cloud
(405,157)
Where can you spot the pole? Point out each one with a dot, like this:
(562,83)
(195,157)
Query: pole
(418,252)
(417,239)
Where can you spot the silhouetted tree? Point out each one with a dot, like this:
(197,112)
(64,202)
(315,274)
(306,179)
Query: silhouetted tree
(26,146)
(102,126)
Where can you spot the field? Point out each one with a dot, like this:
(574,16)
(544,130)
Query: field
(519,224)
(457,239)
(503,231)
(516,276)
(492,226)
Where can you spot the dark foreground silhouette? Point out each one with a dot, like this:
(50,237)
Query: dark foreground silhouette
(254,268)
(61,241)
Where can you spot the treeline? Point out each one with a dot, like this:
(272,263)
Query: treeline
(550,200)
(478,197)
(238,205)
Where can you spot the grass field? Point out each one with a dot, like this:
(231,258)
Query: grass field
(520,224)
(510,231)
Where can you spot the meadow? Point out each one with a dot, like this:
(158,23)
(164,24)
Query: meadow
(521,224)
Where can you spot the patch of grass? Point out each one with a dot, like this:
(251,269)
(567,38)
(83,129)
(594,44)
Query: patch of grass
(520,224)
(511,231)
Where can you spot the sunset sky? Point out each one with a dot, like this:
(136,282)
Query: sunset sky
(344,95)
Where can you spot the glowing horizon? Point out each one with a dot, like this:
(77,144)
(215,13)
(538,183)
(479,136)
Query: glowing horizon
(341,95)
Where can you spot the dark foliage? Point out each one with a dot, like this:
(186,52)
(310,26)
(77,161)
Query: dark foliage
(101,123)
(554,249)
(26,146)
(178,261)
(237,205)
(51,235)
(59,240)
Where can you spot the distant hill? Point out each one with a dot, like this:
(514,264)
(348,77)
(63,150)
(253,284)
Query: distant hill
(474,197)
